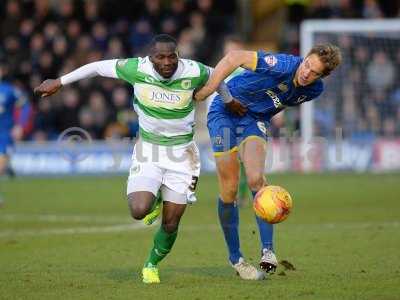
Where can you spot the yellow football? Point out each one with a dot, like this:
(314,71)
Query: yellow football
(273,204)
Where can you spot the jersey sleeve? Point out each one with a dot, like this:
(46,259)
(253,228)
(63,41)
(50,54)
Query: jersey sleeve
(205,73)
(127,69)
(272,64)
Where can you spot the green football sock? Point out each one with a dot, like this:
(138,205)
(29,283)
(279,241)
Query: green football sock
(163,242)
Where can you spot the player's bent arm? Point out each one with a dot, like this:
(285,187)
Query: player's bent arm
(230,62)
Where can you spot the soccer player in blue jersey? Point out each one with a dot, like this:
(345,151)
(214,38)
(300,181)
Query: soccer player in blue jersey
(9,98)
(271,83)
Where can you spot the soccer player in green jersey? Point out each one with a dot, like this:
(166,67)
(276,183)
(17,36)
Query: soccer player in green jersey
(165,159)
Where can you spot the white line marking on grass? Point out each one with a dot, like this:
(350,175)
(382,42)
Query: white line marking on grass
(185,228)
(73,231)
(62,218)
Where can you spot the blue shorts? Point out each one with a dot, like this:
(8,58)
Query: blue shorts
(227,130)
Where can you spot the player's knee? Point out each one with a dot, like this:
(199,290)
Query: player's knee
(137,208)
(255,181)
(170,226)
(230,191)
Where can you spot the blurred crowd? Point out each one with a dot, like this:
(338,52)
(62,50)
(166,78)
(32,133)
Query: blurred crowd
(363,97)
(42,39)
(299,10)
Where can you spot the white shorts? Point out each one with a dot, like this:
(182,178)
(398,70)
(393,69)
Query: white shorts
(172,169)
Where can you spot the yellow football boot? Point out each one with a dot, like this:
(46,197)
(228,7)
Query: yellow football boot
(150,275)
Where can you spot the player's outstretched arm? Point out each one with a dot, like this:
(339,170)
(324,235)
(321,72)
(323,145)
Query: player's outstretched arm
(105,68)
(229,63)
(48,87)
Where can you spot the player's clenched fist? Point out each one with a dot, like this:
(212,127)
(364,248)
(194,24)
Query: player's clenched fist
(236,107)
(48,87)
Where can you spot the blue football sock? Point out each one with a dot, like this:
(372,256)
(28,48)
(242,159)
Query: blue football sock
(266,231)
(228,214)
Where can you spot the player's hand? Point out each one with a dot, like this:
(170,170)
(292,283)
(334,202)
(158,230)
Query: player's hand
(236,107)
(48,87)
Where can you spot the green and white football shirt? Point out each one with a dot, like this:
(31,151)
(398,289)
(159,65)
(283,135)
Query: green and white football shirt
(165,107)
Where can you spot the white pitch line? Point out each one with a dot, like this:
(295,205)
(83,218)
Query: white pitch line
(62,218)
(140,225)
(73,231)
(118,219)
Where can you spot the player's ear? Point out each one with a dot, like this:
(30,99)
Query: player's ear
(177,54)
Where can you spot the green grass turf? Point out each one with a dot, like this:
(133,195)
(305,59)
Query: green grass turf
(343,238)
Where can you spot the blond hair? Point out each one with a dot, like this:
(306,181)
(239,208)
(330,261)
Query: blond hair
(329,55)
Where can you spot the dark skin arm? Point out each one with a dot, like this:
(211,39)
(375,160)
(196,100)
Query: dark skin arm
(236,107)
(48,87)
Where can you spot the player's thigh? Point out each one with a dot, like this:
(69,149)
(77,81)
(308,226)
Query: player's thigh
(180,176)
(144,177)
(252,147)
(228,175)
(143,184)
(253,154)
(179,185)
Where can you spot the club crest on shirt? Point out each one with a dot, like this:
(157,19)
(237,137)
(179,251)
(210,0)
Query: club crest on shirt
(186,84)
(283,87)
(270,60)
(149,79)
(218,140)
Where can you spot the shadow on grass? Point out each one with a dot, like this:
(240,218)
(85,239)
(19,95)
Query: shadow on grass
(203,271)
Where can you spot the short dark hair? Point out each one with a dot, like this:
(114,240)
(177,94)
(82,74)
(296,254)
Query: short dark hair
(162,38)
(329,55)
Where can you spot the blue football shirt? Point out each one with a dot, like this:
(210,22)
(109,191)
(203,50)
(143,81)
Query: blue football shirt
(8,98)
(269,88)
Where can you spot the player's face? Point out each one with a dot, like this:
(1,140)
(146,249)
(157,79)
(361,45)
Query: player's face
(309,70)
(165,59)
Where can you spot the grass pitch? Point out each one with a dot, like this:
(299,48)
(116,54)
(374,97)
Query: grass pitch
(72,238)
